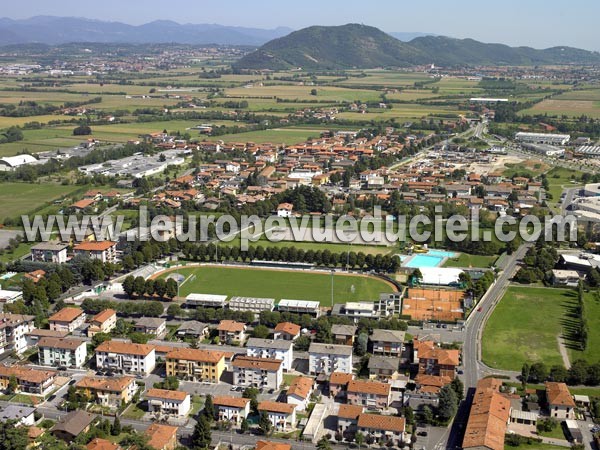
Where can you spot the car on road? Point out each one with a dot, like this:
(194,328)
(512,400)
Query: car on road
(422,433)
(480,309)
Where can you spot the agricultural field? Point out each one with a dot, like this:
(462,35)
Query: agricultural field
(278,284)
(23,198)
(274,135)
(527,323)
(558,107)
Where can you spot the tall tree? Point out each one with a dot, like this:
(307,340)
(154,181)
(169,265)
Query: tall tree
(447,403)
(201,437)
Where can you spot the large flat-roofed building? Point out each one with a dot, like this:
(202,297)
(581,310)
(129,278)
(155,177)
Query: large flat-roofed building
(50,252)
(206,300)
(126,357)
(329,358)
(299,307)
(273,349)
(543,138)
(196,365)
(252,304)
(588,151)
(57,352)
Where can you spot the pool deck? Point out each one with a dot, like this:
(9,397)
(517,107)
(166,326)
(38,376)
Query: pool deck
(406,262)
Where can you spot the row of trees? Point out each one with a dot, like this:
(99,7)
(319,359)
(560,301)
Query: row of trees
(580,373)
(140,287)
(147,309)
(582,329)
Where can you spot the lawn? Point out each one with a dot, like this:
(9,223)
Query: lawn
(279,284)
(133,412)
(592,312)
(525,326)
(466,260)
(557,433)
(560,178)
(537,446)
(22,198)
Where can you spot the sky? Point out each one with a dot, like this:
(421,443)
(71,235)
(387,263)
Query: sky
(535,23)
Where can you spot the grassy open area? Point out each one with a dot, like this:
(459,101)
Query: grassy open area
(525,326)
(537,446)
(278,284)
(592,313)
(466,260)
(560,178)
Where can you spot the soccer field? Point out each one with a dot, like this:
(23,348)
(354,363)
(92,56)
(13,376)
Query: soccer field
(278,284)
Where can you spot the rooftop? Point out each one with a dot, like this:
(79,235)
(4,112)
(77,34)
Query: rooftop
(191,354)
(67,314)
(126,348)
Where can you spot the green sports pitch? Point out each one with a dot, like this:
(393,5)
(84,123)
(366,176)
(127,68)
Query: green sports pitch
(278,284)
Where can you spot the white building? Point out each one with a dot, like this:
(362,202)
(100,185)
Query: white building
(232,409)
(23,415)
(9,163)
(299,306)
(281,415)
(285,210)
(300,391)
(329,358)
(13,332)
(62,352)
(50,252)
(67,319)
(272,349)
(252,304)
(259,373)
(206,300)
(124,357)
(173,403)
(543,138)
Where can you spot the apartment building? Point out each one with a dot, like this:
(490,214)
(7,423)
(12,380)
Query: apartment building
(50,252)
(329,358)
(196,365)
(300,391)
(67,319)
(232,409)
(434,360)
(369,393)
(272,349)
(62,352)
(281,415)
(14,329)
(173,403)
(103,322)
(124,357)
(105,251)
(390,428)
(231,331)
(388,342)
(260,373)
(30,381)
(110,392)
(154,326)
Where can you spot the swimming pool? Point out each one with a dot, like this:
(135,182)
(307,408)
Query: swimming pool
(433,258)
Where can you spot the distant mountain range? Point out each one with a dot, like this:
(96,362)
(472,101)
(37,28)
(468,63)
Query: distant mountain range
(60,30)
(361,46)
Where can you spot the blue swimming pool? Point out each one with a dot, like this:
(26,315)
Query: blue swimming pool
(433,258)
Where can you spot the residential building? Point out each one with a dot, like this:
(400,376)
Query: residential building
(105,251)
(206,300)
(287,331)
(343,334)
(262,373)
(124,357)
(388,342)
(434,360)
(347,419)
(272,349)
(369,393)
(34,336)
(103,322)
(30,381)
(300,391)
(174,403)
(383,368)
(50,252)
(14,329)
(192,329)
(196,365)
(232,409)
(560,401)
(110,392)
(338,384)
(231,331)
(72,425)
(9,296)
(162,437)
(62,352)
(67,319)
(102,444)
(281,415)
(382,428)
(22,415)
(154,326)
(285,210)
(329,358)
(489,417)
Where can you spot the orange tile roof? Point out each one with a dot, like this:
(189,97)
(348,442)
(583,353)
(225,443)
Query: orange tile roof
(102,444)
(231,325)
(369,387)
(340,378)
(383,423)
(277,407)
(160,435)
(125,348)
(67,314)
(191,354)
(250,362)
(103,316)
(232,402)
(82,204)
(558,394)
(288,327)
(105,384)
(266,445)
(98,246)
(27,374)
(167,394)
(350,411)
(301,387)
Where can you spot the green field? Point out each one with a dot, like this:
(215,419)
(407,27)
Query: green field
(466,260)
(275,136)
(539,446)
(279,284)
(22,198)
(525,326)
(592,351)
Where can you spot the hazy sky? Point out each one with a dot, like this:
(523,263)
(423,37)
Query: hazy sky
(536,23)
